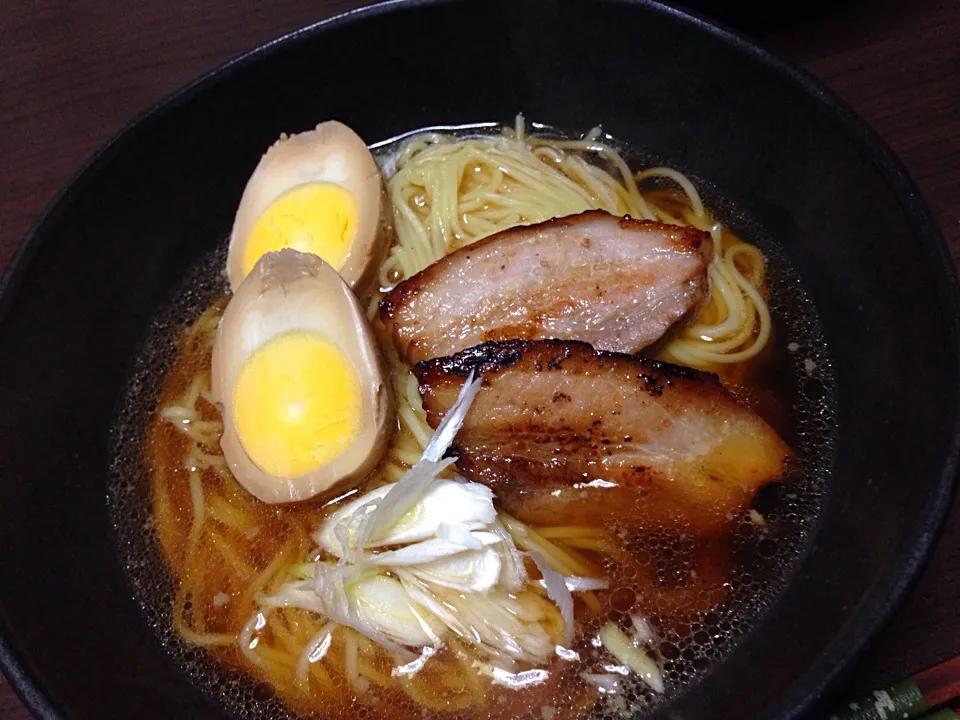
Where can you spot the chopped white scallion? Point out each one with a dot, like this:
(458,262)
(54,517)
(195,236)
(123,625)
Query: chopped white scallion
(445,502)
(642,632)
(459,533)
(331,584)
(408,491)
(302,571)
(468,571)
(428,551)
(248,643)
(606,683)
(575,583)
(443,436)
(630,654)
(513,575)
(414,666)
(557,591)
(380,602)
(517,681)
(408,562)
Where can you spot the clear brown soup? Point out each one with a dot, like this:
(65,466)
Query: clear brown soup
(699,592)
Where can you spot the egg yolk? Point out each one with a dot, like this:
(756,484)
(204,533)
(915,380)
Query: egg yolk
(296,404)
(317,218)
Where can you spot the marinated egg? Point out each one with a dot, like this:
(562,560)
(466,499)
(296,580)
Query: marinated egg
(318,192)
(297,373)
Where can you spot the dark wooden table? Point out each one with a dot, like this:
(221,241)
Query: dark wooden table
(73,71)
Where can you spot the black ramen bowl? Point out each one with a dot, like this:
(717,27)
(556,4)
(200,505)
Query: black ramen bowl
(80,296)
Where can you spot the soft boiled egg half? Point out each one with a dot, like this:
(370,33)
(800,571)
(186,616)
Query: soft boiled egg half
(318,192)
(297,373)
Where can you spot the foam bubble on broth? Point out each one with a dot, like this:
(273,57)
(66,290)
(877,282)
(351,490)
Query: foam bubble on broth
(762,556)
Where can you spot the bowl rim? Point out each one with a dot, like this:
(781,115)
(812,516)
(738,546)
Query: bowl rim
(886,594)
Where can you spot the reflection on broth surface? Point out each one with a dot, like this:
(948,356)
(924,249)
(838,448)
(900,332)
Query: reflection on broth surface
(651,598)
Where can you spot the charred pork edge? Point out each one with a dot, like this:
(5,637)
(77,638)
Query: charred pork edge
(500,354)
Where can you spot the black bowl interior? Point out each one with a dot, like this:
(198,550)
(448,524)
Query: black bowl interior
(84,287)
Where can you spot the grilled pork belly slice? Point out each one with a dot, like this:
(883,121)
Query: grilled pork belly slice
(560,430)
(614,282)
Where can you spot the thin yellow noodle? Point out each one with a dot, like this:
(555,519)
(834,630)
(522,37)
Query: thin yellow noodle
(206,440)
(204,639)
(278,658)
(727,293)
(206,428)
(276,567)
(412,393)
(414,424)
(621,197)
(350,657)
(196,498)
(177,413)
(450,678)
(473,680)
(582,175)
(282,633)
(366,669)
(638,204)
(754,259)
(592,601)
(586,543)
(212,461)
(552,616)
(697,354)
(566,562)
(665,216)
(199,613)
(318,671)
(304,541)
(304,667)
(234,492)
(192,636)
(434,702)
(407,457)
(225,548)
(407,443)
(161,506)
(570,531)
(248,642)
(580,563)
(193,392)
(696,203)
(392,472)
(555,558)
(701,222)
(228,514)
